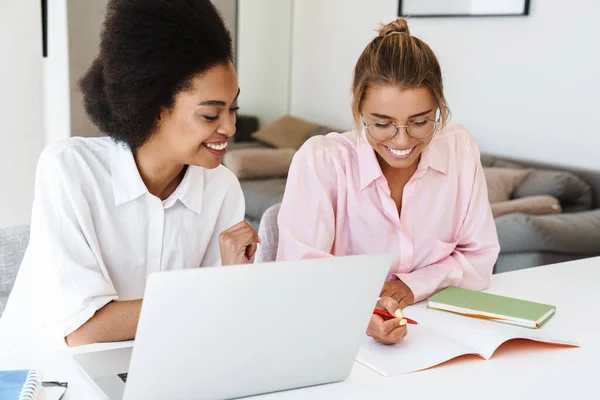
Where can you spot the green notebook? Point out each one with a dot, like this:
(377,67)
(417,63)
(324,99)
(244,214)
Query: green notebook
(493,307)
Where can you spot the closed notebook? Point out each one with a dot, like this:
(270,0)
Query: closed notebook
(493,307)
(19,384)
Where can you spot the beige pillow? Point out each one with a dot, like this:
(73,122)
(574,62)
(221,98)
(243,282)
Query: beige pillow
(259,163)
(286,132)
(502,182)
(534,205)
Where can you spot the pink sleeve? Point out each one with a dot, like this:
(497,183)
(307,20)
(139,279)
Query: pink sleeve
(471,263)
(306,219)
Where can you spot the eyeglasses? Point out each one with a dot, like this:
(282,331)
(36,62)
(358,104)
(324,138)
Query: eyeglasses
(420,129)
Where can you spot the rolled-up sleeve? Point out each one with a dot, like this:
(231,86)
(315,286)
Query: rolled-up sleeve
(63,256)
(306,219)
(471,263)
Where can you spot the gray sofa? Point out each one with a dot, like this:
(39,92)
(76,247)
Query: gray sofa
(13,242)
(526,240)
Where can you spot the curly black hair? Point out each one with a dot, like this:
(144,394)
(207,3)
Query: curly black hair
(150,50)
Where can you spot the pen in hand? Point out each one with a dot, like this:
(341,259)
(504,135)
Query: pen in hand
(387,315)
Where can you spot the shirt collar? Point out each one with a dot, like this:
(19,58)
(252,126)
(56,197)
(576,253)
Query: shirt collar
(128,184)
(369,167)
(370,170)
(190,191)
(126,180)
(433,157)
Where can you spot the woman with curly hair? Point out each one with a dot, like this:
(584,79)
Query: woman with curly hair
(152,195)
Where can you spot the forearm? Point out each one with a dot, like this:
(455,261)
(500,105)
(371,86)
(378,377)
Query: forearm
(460,269)
(116,321)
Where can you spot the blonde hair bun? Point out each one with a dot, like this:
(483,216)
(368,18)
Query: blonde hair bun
(398,26)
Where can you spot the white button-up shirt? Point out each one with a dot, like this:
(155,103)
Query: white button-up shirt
(97,233)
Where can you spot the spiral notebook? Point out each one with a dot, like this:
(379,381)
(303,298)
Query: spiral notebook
(20,384)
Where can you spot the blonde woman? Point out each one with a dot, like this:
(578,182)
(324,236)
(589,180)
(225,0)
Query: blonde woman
(406,182)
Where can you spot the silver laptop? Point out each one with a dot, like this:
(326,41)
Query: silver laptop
(226,332)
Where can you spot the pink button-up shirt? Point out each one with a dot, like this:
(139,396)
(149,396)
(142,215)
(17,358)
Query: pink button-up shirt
(337,202)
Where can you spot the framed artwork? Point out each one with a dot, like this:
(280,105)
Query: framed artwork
(45,28)
(463,8)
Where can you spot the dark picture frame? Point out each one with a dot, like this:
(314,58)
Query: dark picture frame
(45,28)
(402,12)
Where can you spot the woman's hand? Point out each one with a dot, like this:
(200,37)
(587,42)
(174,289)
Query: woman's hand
(390,331)
(238,244)
(398,291)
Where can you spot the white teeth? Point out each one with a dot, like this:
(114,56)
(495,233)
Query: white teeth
(217,147)
(401,153)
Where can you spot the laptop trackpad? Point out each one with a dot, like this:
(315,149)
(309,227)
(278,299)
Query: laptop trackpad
(112,386)
(106,369)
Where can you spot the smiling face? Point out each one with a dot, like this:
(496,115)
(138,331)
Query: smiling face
(386,105)
(196,129)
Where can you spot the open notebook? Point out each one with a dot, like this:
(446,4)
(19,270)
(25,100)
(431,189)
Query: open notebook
(441,336)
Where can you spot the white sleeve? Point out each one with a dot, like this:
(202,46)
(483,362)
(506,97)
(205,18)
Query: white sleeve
(64,257)
(231,212)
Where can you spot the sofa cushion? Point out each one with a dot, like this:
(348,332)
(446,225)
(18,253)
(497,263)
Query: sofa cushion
(13,242)
(515,261)
(321,130)
(259,163)
(577,233)
(533,205)
(286,132)
(261,194)
(492,161)
(573,193)
(501,182)
(233,146)
(245,125)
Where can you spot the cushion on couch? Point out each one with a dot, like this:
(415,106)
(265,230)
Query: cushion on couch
(286,132)
(573,192)
(492,161)
(575,233)
(501,182)
(259,163)
(321,130)
(533,205)
(515,261)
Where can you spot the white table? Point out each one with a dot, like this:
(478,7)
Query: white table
(519,370)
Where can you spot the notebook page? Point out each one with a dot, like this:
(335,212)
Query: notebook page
(477,334)
(482,336)
(422,348)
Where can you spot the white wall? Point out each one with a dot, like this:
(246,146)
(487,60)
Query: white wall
(263,57)
(228,10)
(85,20)
(21,103)
(525,86)
(57,96)
(73,43)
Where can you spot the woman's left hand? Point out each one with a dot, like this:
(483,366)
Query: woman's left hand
(399,291)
